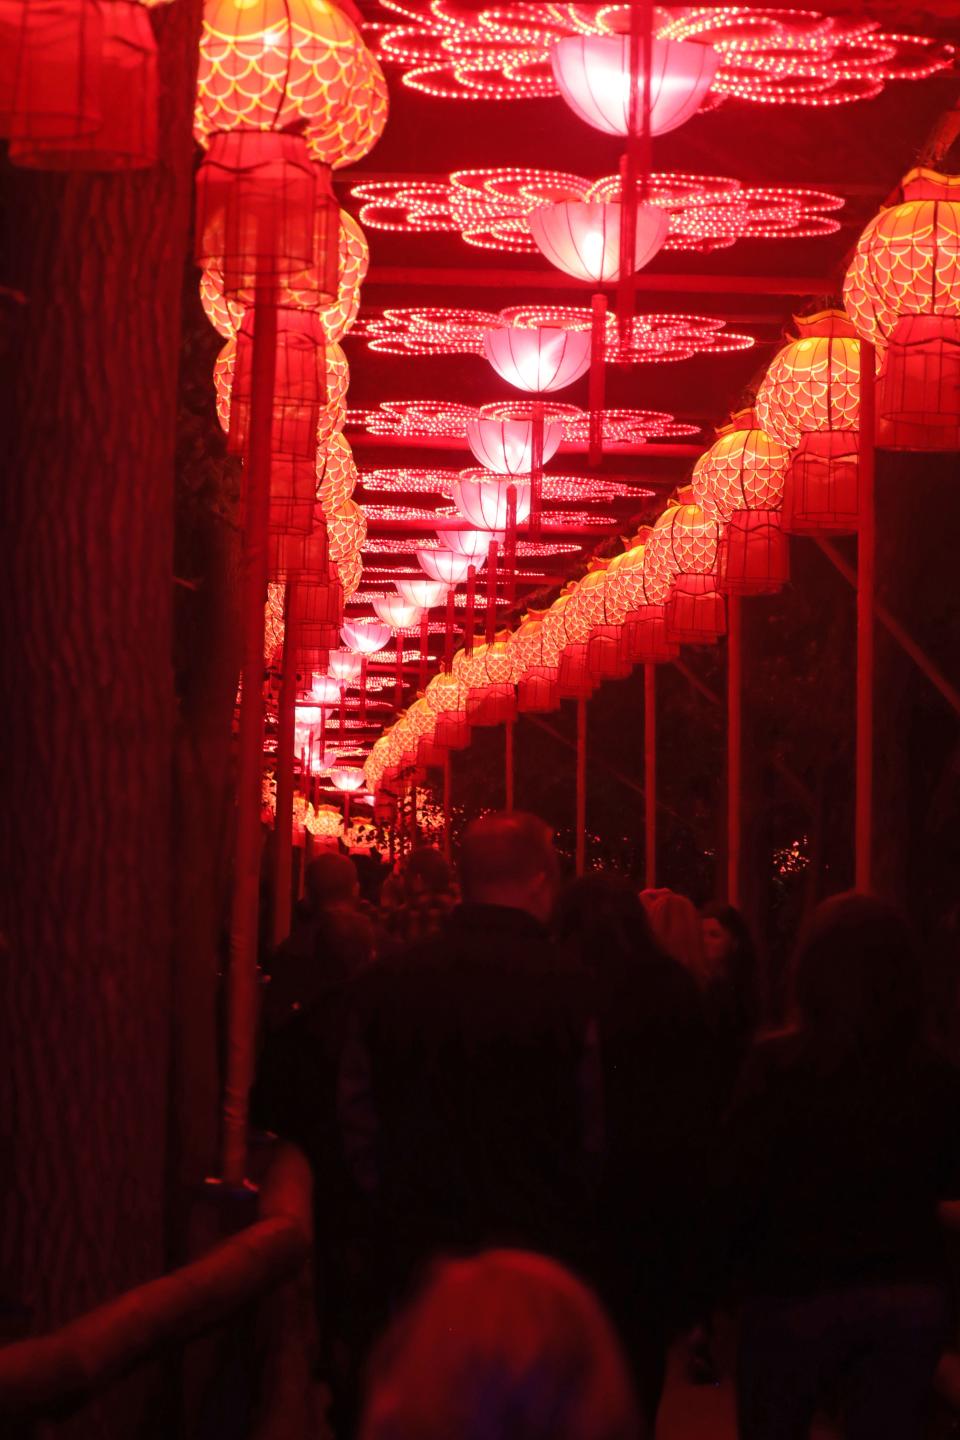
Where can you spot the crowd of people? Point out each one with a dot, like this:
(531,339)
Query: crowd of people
(532,1106)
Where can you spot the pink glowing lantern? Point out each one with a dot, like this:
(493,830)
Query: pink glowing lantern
(582,237)
(540,359)
(396,612)
(444,566)
(347,778)
(473,543)
(484,503)
(344,666)
(423,594)
(364,636)
(593,76)
(506,446)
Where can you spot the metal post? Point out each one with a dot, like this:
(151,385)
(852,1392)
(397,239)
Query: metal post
(286,733)
(734,745)
(866,608)
(581,785)
(508,764)
(650,772)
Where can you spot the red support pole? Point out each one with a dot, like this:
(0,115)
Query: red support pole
(286,733)
(448,631)
(447,847)
(398,686)
(471,611)
(424,647)
(866,614)
(581,823)
(244,917)
(492,591)
(343,713)
(509,765)
(510,546)
(734,746)
(597,378)
(650,773)
(413,815)
(536,476)
(363,691)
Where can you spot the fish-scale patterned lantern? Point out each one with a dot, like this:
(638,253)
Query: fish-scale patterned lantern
(289,65)
(540,358)
(346,530)
(686,542)
(110,51)
(810,400)
(483,501)
(582,237)
(337,473)
(902,292)
(350,572)
(325,822)
(487,675)
(535,661)
(740,479)
(593,75)
(644,639)
(575,680)
(448,699)
(601,616)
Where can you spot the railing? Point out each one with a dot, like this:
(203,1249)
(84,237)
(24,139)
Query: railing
(268,1261)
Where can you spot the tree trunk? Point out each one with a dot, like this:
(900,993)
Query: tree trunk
(85,596)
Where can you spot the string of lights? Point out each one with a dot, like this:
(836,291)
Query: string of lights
(444,419)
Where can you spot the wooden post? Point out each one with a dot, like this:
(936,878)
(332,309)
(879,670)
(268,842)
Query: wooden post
(447,846)
(244,929)
(508,730)
(866,608)
(734,746)
(286,732)
(650,773)
(581,822)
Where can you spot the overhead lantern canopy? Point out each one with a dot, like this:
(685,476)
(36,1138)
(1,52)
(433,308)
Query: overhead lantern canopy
(810,400)
(444,566)
(582,237)
(902,292)
(740,480)
(396,612)
(538,359)
(593,75)
(483,501)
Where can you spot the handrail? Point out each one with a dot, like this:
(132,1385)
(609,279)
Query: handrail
(52,1372)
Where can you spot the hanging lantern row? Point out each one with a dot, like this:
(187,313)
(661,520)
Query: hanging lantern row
(449,420)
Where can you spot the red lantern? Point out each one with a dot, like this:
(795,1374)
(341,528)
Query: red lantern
(51,64)
(124,136)
(810,399)
(538,359)
(299,384)
(593,76)
(646,640)
(582,237)
(902,292)
(754,557)
(740,479)
(684,543)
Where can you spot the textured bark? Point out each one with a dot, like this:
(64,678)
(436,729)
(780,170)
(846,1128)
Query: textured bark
(85,599)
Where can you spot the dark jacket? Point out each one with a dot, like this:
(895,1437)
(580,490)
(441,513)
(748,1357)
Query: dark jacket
(831,1167)
(461,1093)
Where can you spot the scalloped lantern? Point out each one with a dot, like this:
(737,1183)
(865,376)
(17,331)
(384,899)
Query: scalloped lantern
(299,384)
(506,446)
(346,531)
(337,473)
(600,614)
(902,292)
(740,479)
(396,612)
(106,64)
(484,501)
(582,237)
(348,779)
(344,666)
(364,636)
(487,674)
(810,399)
(539,359)
(685,541)
(475,544)
(448,699)
(444,566)
(325,822)
(593,76)
(535,661)
(289,65)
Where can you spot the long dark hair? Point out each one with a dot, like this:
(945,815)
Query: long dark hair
(602,918)
(857,983)
(742,968)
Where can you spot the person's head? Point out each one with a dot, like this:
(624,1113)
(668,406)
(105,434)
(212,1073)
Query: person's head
(331,881)
(509,859)
(727,943)
(602,915)
(507,1346)
(857,984)
(676,925)
(427,873)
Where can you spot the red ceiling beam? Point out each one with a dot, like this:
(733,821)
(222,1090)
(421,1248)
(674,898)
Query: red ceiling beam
(660,449)
(456,522)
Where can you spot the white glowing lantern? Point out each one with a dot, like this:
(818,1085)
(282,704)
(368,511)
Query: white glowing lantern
(444,565)
(394,611)
(347,778)
(472,543)
(323,691)
(544,358)
(506,446)
(484,502)
(364,636)
(424,594)
(344,666)
(593,76)
(582,237)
